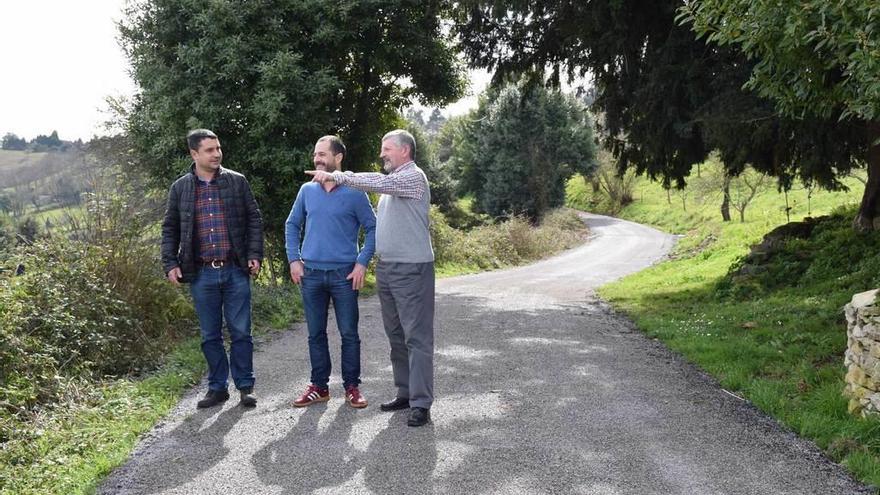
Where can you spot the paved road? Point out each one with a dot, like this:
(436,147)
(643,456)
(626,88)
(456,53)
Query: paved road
(541,389)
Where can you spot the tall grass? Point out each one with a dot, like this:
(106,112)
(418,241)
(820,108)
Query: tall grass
(507,243)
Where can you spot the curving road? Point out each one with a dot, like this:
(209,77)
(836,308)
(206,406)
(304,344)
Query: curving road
(541,389)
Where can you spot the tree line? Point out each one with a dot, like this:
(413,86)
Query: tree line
(41,143)
(672,81)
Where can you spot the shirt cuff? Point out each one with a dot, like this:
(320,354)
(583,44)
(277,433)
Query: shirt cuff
(339,177)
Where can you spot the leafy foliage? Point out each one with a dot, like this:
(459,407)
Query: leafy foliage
(81,310)
(511,242)
(11,141)
(666,98)
(271,77)
(527,143)
(813,58)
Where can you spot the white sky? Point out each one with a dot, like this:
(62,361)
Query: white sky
(61,60)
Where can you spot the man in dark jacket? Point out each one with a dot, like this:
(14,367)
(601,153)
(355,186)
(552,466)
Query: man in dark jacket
(212,238)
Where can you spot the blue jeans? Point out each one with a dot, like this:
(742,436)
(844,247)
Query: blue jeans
(318,288)
(225,294)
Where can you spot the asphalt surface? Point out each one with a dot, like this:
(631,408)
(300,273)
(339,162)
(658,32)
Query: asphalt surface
(540,389)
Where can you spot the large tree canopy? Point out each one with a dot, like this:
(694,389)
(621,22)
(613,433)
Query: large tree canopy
(272,76)
(666,98)
(813,59)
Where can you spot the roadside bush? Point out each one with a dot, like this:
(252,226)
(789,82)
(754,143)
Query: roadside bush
(67,316)
(276,306)
(506,243)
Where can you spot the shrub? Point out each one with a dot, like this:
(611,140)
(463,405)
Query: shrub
(506,243)
(276,306)
(82,310)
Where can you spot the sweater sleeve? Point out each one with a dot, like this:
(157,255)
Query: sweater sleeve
(367,220)
(293,228)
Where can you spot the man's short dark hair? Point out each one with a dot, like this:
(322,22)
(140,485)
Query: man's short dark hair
(403,138)
(336,145)
(195,137)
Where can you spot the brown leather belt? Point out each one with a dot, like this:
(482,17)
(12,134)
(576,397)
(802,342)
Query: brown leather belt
(214,263)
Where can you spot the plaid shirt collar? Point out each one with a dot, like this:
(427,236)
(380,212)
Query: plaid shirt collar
(403,167)
(192,170)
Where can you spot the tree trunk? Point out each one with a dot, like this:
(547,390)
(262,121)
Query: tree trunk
(742,215)
(725,205)
(866,219)
(787,208)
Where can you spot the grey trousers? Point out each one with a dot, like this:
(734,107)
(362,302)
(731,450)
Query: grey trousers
(406,293)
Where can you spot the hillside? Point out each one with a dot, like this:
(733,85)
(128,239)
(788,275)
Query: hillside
(777,336)
(36,183)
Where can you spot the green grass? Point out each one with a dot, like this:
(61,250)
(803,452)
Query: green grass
(71,447)
(776,338)
(57,215)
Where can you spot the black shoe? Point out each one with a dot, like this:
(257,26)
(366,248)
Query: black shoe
(397,404)
(419,416)
(213,398)
(248,399)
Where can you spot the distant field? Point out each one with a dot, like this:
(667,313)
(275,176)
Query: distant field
(19,159)
(59,214)
(18,168)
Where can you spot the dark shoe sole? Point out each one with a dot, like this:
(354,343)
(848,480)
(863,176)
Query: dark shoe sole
(418,423)
(306,404)
(201,405)
(397,407)
(248,402)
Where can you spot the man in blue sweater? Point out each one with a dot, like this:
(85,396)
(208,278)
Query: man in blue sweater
(329,266)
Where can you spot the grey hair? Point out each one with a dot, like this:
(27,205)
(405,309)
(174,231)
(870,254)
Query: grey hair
(403,138)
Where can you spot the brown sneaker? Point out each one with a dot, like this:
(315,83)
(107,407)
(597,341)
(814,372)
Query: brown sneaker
(311,395)
(354,398)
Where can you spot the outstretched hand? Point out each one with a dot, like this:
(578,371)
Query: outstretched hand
(320,176)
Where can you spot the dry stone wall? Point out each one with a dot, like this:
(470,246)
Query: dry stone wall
(863,354)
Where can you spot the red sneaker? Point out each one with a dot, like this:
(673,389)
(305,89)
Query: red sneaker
(311,395)
(354,398)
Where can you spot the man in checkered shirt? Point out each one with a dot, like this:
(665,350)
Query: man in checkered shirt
(212,238)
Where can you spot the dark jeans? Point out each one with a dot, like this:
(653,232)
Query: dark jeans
(225,294)
(318,288)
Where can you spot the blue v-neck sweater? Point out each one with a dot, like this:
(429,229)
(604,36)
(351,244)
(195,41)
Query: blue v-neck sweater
(332,221)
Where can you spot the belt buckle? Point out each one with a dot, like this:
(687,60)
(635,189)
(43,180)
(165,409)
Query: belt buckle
(216,264)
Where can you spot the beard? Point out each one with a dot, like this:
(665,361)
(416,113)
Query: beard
(326,167)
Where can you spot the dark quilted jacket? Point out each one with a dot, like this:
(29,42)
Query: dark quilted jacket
(243,220)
